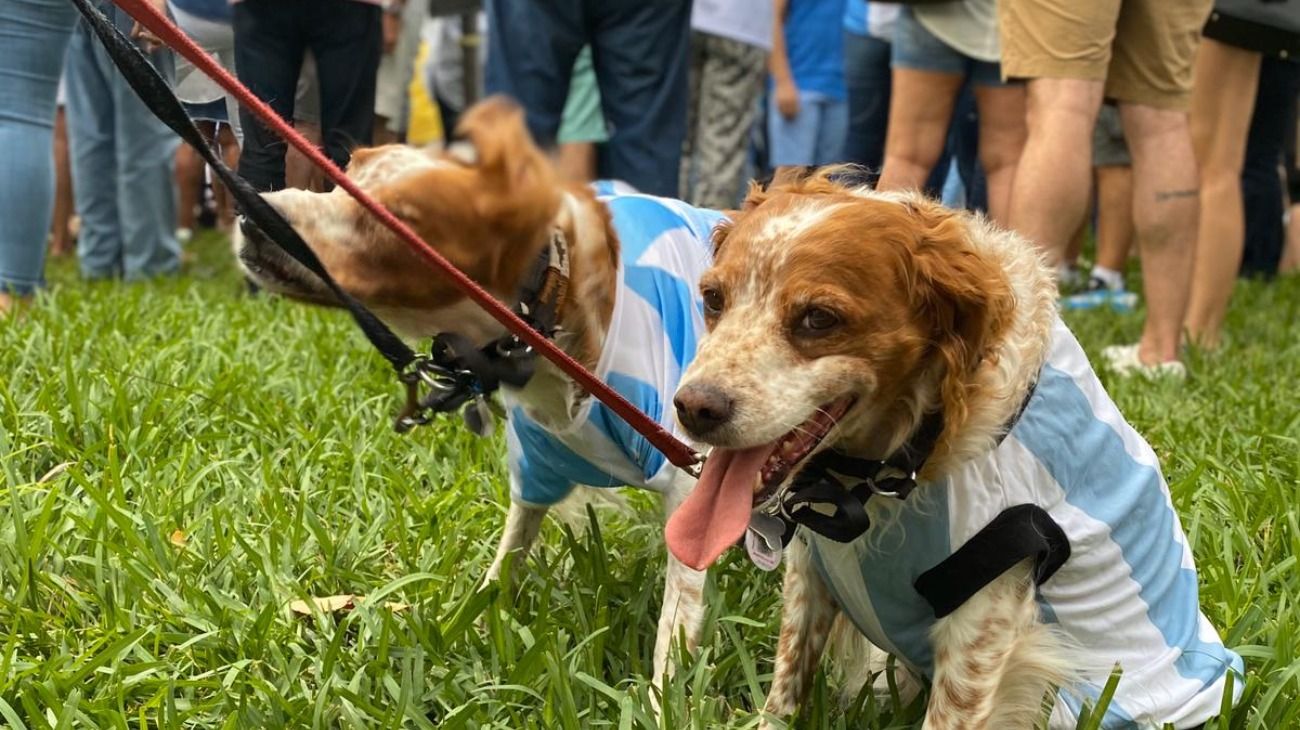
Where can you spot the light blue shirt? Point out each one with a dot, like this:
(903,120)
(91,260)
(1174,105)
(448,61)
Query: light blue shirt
(658,318)
(1128,592)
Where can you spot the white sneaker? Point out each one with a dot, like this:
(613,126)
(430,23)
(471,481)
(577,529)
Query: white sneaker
(1124,360)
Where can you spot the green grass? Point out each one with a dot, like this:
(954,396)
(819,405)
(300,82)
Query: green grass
(260,430)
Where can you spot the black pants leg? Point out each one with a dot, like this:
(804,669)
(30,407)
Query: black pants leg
(1261,178)
(269,48)
(271,37)
(641,52)
(346,37)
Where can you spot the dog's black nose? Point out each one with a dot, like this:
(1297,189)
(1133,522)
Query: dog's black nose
(702,407)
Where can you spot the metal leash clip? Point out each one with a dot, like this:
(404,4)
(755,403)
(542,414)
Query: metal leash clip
(445,389)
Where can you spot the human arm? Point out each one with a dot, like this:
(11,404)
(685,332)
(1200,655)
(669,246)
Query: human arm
(784,89)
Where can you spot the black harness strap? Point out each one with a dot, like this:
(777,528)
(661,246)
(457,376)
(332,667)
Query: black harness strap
(1019,532)
(834,508)
(157,94)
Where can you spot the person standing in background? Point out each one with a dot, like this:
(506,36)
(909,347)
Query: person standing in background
(123,159)
(271,39)
(730,40)
(1238,35)
(640,54)
(938,48)
(63,229)
(34,36)
(207,23)
(868,39)
(582,126)
(1138,53)
(808,114)
(402,24)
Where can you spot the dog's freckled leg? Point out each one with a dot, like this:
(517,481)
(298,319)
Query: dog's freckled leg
(683,612)
(683,608)
(523,522)
(807,613)
(974,655)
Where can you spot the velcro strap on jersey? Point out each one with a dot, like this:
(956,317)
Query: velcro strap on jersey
(1019,532)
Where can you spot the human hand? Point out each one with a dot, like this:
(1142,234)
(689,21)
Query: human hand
(787,98)
(392,29)
(145,38)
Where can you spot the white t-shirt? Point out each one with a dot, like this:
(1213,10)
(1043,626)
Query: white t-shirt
(747,21)
(881,19)
(969,26)
(1128,592)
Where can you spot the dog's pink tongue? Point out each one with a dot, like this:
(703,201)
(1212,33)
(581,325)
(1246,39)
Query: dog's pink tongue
(716,513)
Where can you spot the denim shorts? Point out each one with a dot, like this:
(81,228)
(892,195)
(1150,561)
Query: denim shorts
(918,49)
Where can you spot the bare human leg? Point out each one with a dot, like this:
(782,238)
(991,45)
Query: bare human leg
(1223,101)
(1050,191)
(920,109)
(1165,204)
(61,228)
(1001,143)
(1114,216)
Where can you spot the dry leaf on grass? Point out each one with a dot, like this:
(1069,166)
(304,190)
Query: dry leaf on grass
(54,473)
(338,604)
(179,538)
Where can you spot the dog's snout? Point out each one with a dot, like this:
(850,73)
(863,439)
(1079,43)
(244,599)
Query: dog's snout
(702,407)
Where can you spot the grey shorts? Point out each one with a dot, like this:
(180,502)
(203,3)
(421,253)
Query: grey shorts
(1108,146)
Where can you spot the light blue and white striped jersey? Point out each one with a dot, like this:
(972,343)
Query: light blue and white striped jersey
(1128,592)
(657,320)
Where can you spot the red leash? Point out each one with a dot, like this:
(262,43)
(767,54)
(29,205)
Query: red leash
(677,452)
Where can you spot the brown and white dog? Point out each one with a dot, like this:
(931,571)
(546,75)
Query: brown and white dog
(490,208)
(839,317)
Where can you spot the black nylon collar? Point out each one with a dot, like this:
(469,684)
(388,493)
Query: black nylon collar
(455,373)
(829,495)
(837,508)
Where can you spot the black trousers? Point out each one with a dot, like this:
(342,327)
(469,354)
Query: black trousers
(1261,178)
(641,53)
(271,38)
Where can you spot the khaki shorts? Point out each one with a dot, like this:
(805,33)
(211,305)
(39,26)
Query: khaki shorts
(1142,49)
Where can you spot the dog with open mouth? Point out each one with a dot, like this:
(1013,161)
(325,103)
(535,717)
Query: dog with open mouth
(629,312)
(1009,537)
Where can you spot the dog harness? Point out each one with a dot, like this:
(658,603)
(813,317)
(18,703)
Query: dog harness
(1126,595)
(657,320)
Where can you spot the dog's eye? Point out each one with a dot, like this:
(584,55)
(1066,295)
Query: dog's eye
(817,321)
(713,302)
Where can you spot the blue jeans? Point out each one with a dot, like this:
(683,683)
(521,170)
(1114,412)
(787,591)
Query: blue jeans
(814,137)
(867,75)
(917,48)
(640,50)
(122,164)
(33,39)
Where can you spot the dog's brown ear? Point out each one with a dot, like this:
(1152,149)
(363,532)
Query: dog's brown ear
(519,186)
(966,296)
(721,231)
